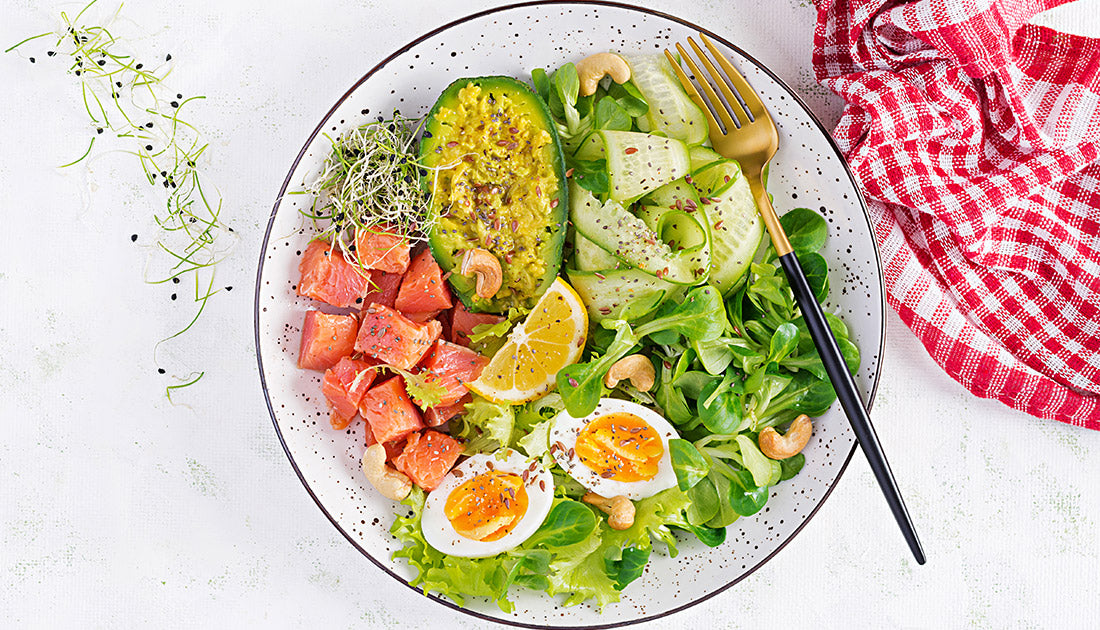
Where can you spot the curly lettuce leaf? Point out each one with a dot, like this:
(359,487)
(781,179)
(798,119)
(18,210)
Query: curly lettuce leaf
(579,572)
(653,519)
(485,427)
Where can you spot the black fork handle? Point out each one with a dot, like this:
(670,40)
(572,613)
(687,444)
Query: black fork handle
(846,391)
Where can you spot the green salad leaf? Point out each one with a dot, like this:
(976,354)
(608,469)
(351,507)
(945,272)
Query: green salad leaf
(485,427)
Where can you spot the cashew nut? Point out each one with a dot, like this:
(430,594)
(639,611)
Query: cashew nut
(636,367)
(487,269)
(392,483)
(778,446)
(595,67)
(619,509)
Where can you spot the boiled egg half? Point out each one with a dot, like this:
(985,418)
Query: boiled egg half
(488,504)
(621,448)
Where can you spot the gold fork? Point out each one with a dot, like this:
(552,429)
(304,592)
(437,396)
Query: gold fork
(748,134)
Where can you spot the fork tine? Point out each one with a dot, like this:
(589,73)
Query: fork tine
(716,102)
(689,87)
(731,98)
(748,95)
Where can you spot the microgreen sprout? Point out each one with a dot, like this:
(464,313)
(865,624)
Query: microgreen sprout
(371,181)
(128,99)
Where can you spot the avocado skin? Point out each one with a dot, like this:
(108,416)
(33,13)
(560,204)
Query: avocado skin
(553,244)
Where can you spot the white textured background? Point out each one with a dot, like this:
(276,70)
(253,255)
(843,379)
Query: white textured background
(118,509)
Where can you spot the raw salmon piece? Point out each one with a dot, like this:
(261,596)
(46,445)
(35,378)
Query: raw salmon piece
(381,248)
(329,277)
(393,448)
(326,339)
(344,386)
(427,457)
(435,416)
(420,318)
(463,322)
(451,366)
(339,421)
(391,338)
(389,412)
(423,289)
(383,288)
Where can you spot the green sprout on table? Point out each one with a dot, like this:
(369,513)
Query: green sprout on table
(128,99)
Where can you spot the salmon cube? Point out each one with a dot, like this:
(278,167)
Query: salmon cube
(326,339)
(344,386)
(329,277)
(428,456)
(423,289)
(420,318)
(380,248)
(393,448)
(451,366)
(391,338)
(435,416)
(463,322)
(383,288)
(339,421)
(389,412)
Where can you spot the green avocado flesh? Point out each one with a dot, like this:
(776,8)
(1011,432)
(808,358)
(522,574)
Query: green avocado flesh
(496,176)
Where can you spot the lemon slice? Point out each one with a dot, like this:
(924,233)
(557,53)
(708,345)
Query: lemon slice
(551,338)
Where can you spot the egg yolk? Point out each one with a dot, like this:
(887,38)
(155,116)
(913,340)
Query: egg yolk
(620,446)
(488,506)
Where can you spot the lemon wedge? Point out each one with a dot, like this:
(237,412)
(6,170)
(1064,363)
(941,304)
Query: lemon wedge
(551,338)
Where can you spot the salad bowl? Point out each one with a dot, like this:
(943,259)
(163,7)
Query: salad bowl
(513,40)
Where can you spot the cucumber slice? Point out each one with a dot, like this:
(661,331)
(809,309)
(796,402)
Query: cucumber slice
(671,110)
(637,163)
(736,228)
(588,256)
(606,293)
(627,237)
(675,213)
(675,194)
(702,156)
(716,177)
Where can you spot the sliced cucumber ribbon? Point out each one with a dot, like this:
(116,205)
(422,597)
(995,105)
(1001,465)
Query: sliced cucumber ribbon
(627,237)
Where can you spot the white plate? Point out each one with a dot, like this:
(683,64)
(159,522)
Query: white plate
(808,171)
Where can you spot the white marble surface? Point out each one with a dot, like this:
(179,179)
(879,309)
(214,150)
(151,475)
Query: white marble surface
(118,509)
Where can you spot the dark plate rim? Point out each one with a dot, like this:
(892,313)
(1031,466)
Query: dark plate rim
(399,52)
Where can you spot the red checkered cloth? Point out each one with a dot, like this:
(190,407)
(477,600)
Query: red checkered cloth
(975,137)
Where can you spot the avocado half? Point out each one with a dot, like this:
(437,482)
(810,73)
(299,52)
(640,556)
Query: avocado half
(496,177)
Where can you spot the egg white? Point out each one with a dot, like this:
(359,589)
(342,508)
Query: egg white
(566,429)
(441,535)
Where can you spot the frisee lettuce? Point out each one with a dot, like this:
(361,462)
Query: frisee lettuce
(574,554)
(485,427)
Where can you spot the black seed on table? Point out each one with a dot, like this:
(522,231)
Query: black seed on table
(149,125)
(139,66)
(133,237)
(99,130)
(174,104)
(160,370)
(102,62)
(180,96)
(168,58)
(173,296)
(148,147)
(50,53)
(32,59)
(231,288)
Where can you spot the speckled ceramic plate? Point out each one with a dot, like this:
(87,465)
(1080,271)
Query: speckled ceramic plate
(808,171)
